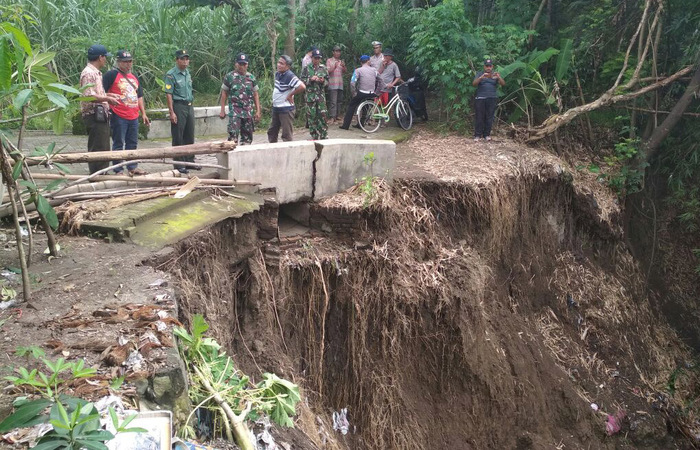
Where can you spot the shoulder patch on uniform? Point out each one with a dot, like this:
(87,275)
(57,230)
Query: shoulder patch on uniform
(168,86)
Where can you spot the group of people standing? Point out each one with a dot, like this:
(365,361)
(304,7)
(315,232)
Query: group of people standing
(118,99)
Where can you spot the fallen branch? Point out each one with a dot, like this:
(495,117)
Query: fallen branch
(145,153)
(556,121)
(137,179)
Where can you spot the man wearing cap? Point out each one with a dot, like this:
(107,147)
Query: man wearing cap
(486,84)
(241,89)
(315,77)
(124,120)
(306,60)
(367,82)
(287,85)
(336,68)
(377,57)
(178,91)
(389,71)
(95,113)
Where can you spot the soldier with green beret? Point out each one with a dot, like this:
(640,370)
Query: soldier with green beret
(178,89)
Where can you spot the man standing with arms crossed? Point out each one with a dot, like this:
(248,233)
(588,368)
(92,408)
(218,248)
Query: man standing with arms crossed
(336,68)
(124,120)
(241,90)
(178,90)
(95,114)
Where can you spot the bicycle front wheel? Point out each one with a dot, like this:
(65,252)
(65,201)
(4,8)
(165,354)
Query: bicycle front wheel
(369,116)
(404,115)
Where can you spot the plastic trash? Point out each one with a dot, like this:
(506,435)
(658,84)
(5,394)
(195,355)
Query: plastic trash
(340,421)
(613,423)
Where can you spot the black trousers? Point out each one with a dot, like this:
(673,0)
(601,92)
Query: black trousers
(484,109)
(352,107)
(182,132)
(98,141)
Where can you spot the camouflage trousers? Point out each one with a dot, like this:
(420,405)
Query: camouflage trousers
(242,126)
(316,116)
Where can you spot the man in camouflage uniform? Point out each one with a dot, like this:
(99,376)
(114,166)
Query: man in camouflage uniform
(315,76)
(241,89)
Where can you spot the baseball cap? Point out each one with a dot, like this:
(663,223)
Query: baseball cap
(364,58)
(123,55)
(375,43)
(316,53)
(181,54)
(488,62)
(98,50)
(242,58)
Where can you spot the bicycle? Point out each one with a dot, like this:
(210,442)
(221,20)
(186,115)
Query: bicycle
(371,113)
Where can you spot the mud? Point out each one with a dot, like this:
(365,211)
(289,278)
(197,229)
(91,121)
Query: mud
(467,312)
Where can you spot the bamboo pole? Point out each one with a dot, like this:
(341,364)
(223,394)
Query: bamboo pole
(144,153)
(139,179)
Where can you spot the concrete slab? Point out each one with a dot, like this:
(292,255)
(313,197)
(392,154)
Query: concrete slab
(206,123)
(343,162)
(162,221)
(286,166)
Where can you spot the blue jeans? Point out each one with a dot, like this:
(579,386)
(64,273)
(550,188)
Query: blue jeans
(125,136)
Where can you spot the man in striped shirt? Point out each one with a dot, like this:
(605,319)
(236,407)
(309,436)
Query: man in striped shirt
(287,85)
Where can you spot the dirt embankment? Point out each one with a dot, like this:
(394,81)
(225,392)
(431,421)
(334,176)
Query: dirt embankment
(487,305)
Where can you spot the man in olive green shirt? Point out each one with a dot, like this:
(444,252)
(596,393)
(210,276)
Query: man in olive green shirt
(178,89)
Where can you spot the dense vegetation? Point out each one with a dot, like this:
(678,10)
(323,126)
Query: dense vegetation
(556,56)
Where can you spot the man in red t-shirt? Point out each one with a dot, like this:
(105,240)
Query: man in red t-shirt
(124,120)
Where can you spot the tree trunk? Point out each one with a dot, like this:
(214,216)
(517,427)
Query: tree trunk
(291,31)
(535,19)
(662,131)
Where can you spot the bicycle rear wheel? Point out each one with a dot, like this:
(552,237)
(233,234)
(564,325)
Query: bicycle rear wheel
(369,116)
(404,115)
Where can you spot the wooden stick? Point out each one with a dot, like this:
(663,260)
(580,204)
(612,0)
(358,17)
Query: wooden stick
(144,153)
(138,179)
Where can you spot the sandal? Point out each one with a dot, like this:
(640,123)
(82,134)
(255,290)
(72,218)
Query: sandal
(137,171)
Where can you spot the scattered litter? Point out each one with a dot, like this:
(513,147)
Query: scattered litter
(157,437)
(134,361)
(8,304)
(9,275)
(160,298)
(594,407)
(163,314)
(188,187)
(158,283)
(149,337)
(122,340)
(47,250)
(613,423)
(160,325)
(263,439)
(108,401)
(570,302)
(340,421)
(179,444)
(27,435)
(23,231)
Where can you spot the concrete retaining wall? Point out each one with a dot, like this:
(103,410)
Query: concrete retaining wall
(309,170)
(207,122)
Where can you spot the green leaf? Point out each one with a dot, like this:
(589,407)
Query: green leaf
(59,121)
(23,414)
(57,99)
(62,167)
(97,435)
(65,88)
(564,59)
(44,208)
(17,170)
(52,444)
(6,58)
(20,38)
(199,326)
(91,445)
(22,98)
(41,59)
